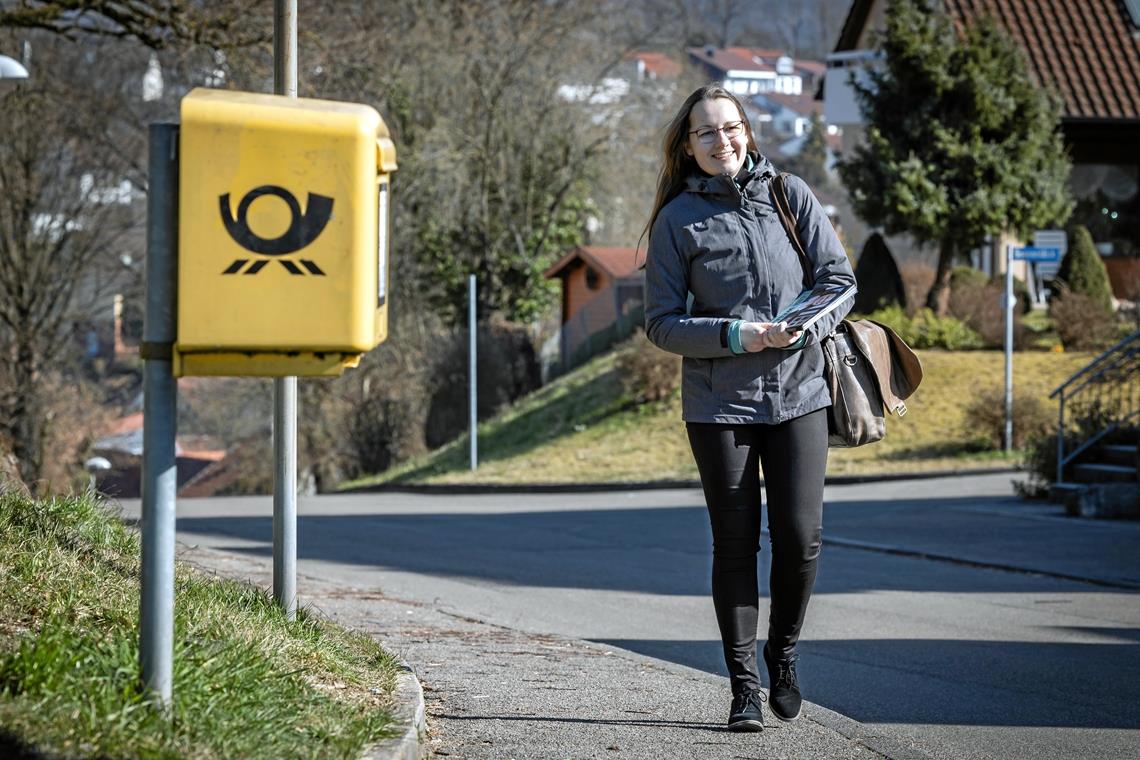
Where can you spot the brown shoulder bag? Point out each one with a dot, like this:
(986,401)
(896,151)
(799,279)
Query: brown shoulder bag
(864,361)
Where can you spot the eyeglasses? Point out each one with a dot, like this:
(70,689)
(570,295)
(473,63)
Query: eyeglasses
(706,135)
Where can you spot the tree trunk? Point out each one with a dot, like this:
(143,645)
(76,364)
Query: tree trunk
(27,426)
(938,299)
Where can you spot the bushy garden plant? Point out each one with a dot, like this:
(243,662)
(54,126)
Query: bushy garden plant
(1081,321)
(647,373)
(927,330)
(985,417)
(978,302)
(1083,272)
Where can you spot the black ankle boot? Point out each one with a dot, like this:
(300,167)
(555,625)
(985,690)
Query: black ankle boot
(783,690)
(747,713)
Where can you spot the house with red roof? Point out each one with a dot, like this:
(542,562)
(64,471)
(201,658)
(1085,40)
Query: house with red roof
(750,71)
(654,66)
(1087,52)
(603,292)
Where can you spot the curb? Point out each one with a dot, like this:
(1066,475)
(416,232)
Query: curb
(646,485)
(891,747)
(1128,584)
(408,711)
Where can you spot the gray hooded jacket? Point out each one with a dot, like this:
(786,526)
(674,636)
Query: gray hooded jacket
(721,241)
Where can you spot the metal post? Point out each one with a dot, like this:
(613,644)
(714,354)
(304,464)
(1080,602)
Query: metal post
(285,388)
(285,47)
(285,494)
(1009,348)
(159,473)
(471,373)
(1061,438)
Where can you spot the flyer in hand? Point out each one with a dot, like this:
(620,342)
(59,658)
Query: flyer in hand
(812,304)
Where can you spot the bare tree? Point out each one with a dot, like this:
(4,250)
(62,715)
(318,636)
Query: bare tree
(156,24)
(65,212)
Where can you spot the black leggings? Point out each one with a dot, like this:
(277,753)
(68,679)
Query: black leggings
(793,455)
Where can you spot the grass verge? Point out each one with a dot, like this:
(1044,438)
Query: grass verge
(582,429)
(247,682)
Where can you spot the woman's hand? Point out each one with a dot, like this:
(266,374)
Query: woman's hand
(756,336)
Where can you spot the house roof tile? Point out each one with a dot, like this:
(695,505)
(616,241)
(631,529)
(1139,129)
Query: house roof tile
(617,262)
(732,59)
(657,65)
(803,104)
(1088,51)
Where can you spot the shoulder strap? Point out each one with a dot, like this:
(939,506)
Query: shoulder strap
(788,219)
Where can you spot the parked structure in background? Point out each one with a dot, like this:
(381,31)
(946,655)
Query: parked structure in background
(1090,56)
(602,300)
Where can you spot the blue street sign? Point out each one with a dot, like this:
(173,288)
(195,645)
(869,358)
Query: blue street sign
(1031,253)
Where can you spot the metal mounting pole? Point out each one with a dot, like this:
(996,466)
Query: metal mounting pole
(285,388)
(1009,302)
(472,386)
(159,472)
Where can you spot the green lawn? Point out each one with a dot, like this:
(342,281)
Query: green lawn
(581,429)
(247,682)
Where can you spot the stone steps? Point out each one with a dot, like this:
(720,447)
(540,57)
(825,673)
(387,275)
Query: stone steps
(1107,487)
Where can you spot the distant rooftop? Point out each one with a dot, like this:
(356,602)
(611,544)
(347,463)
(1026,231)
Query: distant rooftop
(657,65)
(618,262)
(1088,51)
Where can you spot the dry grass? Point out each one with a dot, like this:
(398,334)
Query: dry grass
(582,429)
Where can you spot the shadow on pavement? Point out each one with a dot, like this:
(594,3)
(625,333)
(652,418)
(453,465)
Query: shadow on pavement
(664,550)
(952,682)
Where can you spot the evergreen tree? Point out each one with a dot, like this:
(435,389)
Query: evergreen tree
(960,142)
(880,283)
(1083,270)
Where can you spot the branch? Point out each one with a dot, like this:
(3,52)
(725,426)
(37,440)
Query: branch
(155,23)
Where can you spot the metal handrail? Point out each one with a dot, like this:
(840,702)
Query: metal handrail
(1134,337)
(1110,392)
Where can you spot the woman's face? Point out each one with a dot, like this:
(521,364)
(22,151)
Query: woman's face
(723,154)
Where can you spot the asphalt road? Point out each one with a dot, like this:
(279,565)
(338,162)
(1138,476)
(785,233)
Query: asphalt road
(913,628)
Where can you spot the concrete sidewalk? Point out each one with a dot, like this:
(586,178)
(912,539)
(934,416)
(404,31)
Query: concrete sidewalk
(495,692)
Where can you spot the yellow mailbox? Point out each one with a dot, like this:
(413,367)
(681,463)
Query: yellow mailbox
(283,234)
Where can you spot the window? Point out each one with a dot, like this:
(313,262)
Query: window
(593,282)
(1108,203)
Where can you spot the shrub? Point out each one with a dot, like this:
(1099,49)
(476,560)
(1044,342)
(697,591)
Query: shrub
(1040,463)
(985,418)
(926,330)
(1083,271)
(1082,322)
(507,369)
(962,277)
(917,278)
(978,303)
(382,431)
(646,372)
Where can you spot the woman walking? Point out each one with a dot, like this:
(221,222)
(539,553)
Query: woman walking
(720,267)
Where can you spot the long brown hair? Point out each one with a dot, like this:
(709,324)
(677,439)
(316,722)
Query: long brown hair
(676,164)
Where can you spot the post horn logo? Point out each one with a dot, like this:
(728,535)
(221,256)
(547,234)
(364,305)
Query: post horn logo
(303,230)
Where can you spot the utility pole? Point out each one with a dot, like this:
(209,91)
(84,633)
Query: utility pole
(285,388)
(159,471)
